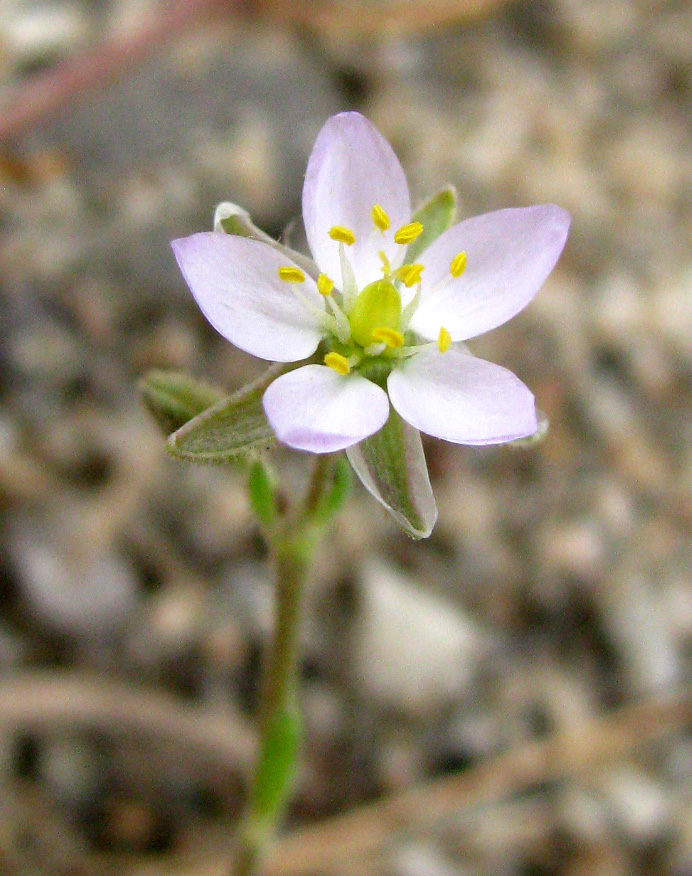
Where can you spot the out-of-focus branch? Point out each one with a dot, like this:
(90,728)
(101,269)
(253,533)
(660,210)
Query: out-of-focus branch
(331,847)
(49,91)
(565,755)
(47,701)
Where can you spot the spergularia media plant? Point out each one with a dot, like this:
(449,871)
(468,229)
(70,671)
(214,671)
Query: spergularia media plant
(368,336)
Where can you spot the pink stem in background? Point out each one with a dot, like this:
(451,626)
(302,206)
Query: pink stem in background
(56,88)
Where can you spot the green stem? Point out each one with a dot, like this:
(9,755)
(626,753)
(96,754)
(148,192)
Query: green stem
(292,545)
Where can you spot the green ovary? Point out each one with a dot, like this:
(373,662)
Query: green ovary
(377,306)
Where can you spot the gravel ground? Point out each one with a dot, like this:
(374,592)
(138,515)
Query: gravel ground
(555,590)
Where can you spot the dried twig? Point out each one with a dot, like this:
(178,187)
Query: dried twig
(565,755)
(357,836)
(45,701)
(48,700)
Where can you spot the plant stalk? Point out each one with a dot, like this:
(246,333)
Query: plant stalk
(292,544)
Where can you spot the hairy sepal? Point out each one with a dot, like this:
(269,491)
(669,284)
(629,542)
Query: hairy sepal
(232,430)
(391,465)
(174,398)
(232,219)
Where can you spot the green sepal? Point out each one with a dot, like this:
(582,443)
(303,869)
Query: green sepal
(276,766)
(391,465)
(262,490)
(232,219)
(436,215)
(174,398)
(231,430)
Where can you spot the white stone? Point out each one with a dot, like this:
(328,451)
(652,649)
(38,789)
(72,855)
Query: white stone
(72,585)
(412,650)
(640,805)
(635,614)
(418,859)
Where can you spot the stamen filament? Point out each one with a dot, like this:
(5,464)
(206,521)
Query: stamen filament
(342,234)
(410,309)
(375,349)
(408,233)
(326,322)
(343,327)
(349,290)
(408,351)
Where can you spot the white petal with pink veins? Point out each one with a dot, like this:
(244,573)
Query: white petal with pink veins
(352,168)
(313,408)
(460,398)
(509,254)
(235,282)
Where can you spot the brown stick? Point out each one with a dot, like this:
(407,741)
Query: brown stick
(364,832)
(370,20)
(46,701)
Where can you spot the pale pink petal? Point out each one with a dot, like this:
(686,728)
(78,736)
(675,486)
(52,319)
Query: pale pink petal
(313,408)
(509,254)
(460,398)
(235,282)
(352,168)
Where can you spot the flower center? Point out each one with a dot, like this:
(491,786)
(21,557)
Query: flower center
(366,327)
(377,307)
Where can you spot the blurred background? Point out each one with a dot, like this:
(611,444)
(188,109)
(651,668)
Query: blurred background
(554,595)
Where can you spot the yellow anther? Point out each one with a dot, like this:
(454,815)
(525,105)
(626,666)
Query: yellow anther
(391,337)
(409,274)
(324,285)
(342,235)
(458,265)
(380,218)
(444,340)
(337,363)
(408,233)
(291,275)
(386,267)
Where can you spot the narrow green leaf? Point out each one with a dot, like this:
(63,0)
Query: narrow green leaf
(436,215)
(391,465)
(173,398)
(235,427)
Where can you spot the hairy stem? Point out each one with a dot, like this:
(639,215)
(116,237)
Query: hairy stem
(292,545)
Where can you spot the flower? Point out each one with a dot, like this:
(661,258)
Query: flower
(374,328)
